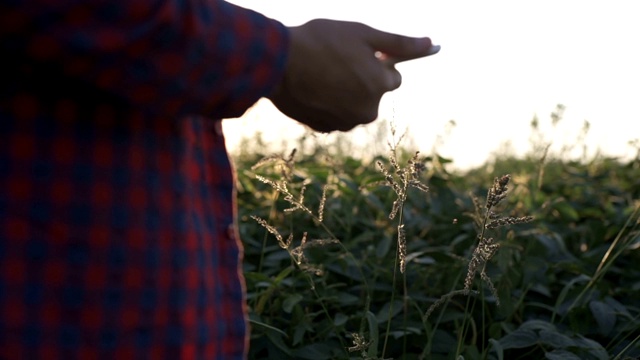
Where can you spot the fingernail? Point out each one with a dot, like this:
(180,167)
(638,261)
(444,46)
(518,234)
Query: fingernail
(434,49)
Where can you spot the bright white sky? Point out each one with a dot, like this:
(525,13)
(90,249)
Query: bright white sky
(501,63)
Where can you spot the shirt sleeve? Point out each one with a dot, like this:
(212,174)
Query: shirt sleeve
(166,57)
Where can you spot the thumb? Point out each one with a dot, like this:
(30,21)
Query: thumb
(400,48)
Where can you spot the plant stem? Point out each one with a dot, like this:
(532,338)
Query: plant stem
(276,194)
(393,285)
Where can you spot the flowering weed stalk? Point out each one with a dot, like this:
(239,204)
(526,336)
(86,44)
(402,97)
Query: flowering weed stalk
(400,179)
(298,252)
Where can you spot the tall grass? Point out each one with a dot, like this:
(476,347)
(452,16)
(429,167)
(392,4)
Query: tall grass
(361,259)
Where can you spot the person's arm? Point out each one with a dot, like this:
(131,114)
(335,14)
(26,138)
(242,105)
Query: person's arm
(338,71)
(166,57)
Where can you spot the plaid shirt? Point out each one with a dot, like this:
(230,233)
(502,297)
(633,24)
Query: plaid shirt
(116,193)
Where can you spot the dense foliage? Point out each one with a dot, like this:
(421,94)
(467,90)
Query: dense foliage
(563,286)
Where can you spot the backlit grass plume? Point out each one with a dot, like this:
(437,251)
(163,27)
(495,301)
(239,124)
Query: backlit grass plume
(488,218)
(293,193)
(285,167)
(401,179)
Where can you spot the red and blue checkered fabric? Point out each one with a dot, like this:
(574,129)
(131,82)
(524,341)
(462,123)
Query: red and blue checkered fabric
(117,237)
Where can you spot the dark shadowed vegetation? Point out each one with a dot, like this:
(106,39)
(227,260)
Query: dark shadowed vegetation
(399,257)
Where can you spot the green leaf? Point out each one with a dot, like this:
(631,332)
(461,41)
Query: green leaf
(375,202)
(521,338)
(541,289)
(383,314)
(256,277)
(534,270)
(605,316)
(409,330)
(555,339)
(444,160)
(276,339)
(276,257)
(298,334)
(580,320)
(346,299)
(561,355)
(555,246)
(350,271)
(340,319)
(382,249)
(267,327)
(592,347)
(538,325)
(472,352)
(425,260)
(364,237)
(566,211)
(373,335)
(283,274)
(459,239)
(413,255)
(290,302)
(321,351)
(617,307)
(563,294)
(442,342)
(497,347)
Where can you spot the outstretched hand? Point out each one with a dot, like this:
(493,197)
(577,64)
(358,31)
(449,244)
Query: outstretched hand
(338,71)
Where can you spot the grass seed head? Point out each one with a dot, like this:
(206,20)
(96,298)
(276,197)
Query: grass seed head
(323,200)
(498,192)
(274,231)
(402,247)
(510,220)
(285,165)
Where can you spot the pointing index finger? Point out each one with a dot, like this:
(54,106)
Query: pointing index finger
(392,60)
(400,47)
